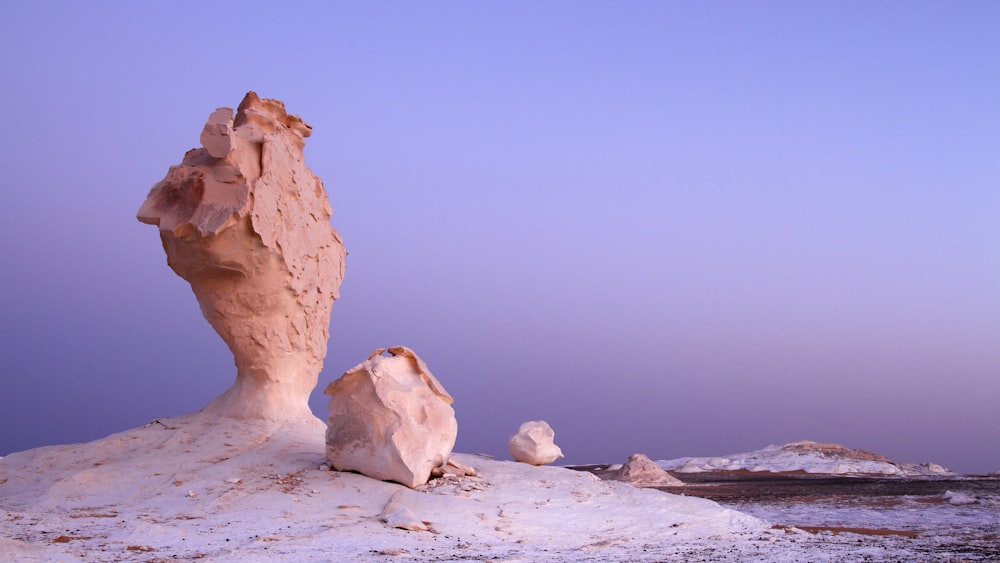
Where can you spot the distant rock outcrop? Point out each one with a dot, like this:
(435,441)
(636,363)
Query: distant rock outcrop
(533,443)
(390,419)
(832,451)
(804,456)
(248,225)
(644,472)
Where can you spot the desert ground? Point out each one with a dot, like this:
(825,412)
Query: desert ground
(195,489)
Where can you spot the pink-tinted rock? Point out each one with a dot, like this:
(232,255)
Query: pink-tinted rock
(533,443)
(644,472)
(247,224)
(216,136)
(390,419)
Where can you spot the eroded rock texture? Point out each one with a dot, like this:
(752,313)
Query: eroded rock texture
(534,443)
(246,222)
(644,472)
(390,419)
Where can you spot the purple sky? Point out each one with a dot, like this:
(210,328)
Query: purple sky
(678,228)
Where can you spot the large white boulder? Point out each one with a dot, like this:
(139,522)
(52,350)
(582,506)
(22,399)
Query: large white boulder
(533,443)
(390,419)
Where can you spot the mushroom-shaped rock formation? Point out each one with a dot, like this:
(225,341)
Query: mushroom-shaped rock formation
(390,419)
(534,444)
(247,224)
(644,472)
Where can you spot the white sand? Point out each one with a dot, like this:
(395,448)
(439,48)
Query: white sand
(170,490)
(194,488)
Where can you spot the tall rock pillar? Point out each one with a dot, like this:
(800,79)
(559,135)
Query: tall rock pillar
(247,224)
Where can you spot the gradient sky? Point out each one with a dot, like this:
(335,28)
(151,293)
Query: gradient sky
(681,228)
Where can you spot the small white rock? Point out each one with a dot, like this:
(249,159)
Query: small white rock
(958,498)
(403,519)
(533,443)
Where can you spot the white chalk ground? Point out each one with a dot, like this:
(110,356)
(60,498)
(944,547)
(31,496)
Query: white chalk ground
(967,531)
(197,489)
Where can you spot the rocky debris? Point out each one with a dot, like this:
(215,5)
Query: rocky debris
(247,224)
(453,469)
(390,419)
(644,472)
(533,443)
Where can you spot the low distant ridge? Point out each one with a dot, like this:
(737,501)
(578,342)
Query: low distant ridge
(833,451)
(805,456)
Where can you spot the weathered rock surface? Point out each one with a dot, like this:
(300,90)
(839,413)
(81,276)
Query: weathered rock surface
(533,443)
(644,472)
(248,225)
(390,419)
